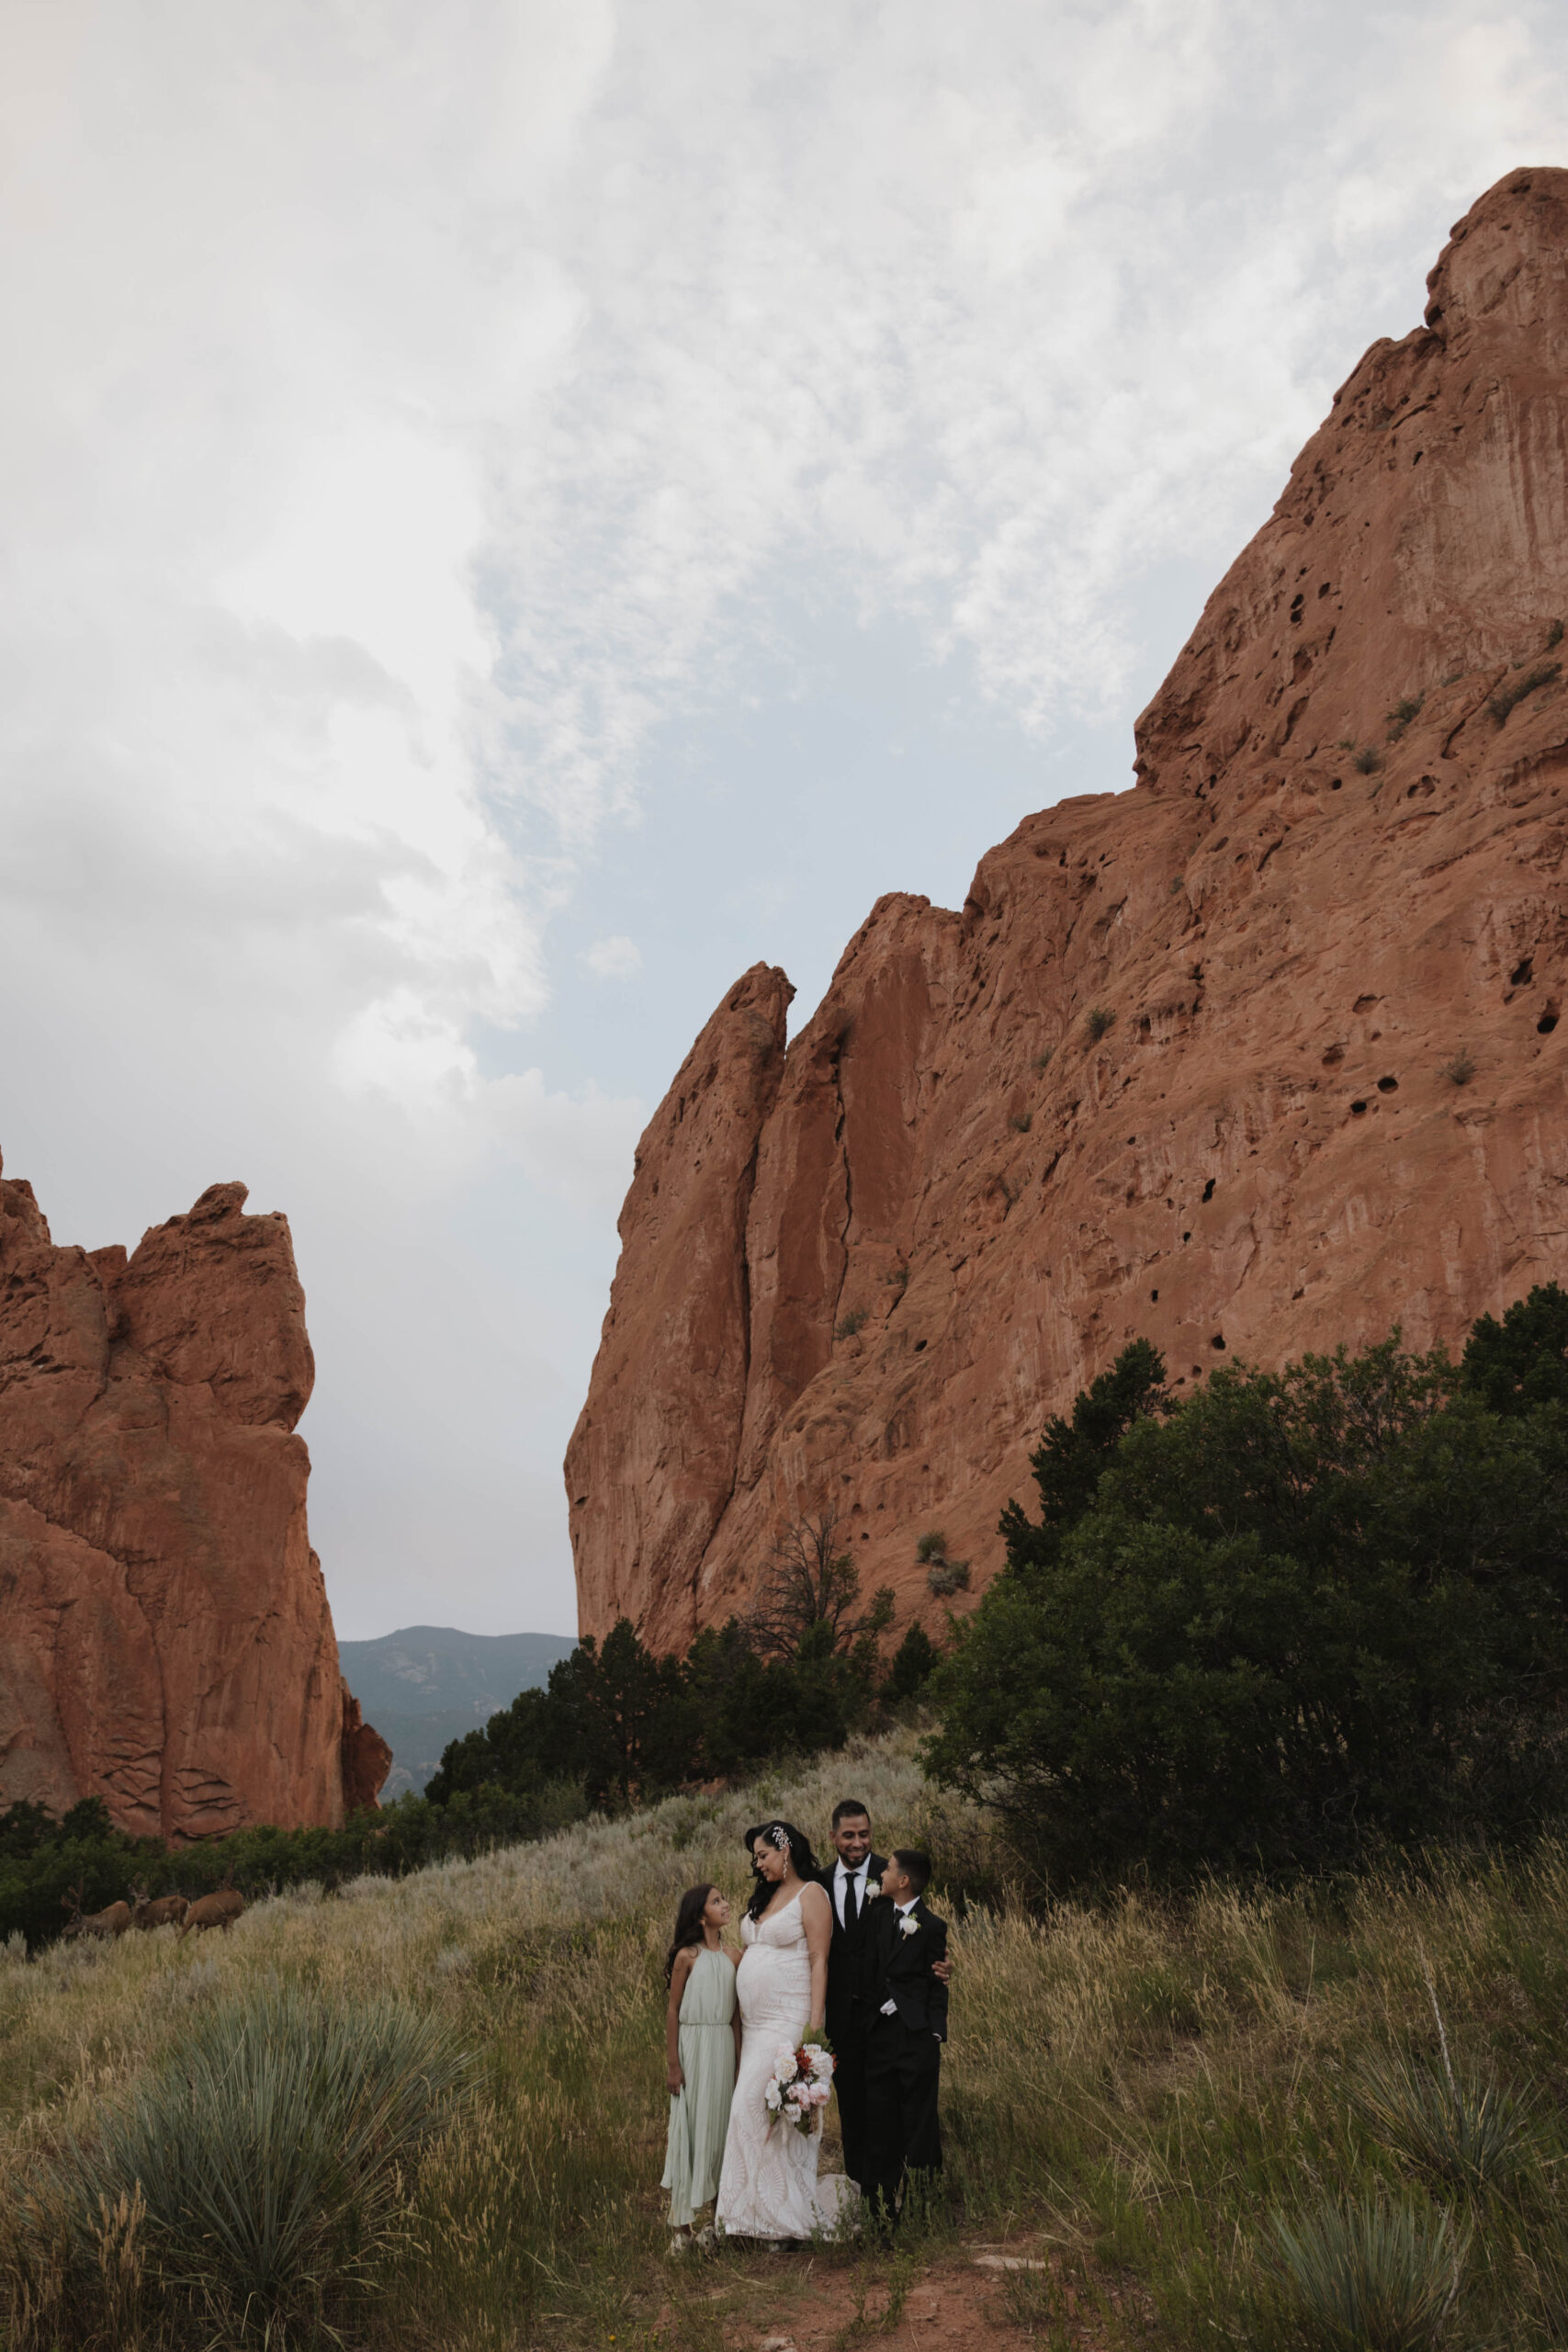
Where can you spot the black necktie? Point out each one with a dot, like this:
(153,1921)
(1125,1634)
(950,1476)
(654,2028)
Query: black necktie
(849,1913)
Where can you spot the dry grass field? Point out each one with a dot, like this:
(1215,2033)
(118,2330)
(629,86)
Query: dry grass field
(1139,2098)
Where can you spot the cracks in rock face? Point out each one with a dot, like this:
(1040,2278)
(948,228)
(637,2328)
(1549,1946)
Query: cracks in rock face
(834,1064)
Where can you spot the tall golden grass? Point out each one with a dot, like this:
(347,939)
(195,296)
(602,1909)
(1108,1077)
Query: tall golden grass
(1157,2095)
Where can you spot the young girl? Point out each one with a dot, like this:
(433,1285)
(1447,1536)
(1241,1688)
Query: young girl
(702,2039)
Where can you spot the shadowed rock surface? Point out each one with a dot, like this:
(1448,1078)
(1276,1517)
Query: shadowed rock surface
(167,1643)
(1329,927)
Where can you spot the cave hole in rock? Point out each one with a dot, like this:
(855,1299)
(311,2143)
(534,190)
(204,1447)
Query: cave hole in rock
(1218,1341)
(918,1345)
(1153,1296)
(1356,1109)
(1187,1236)
(1522,973)
(1547,1022)
(1388,1086)
(1337,785)
(1208,1190)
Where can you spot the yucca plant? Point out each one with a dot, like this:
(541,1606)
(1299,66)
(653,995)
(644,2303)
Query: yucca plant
(1454,2122)
(267,2153)
(1370,2276)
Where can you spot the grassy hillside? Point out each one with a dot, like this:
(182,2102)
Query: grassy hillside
(1131,2093)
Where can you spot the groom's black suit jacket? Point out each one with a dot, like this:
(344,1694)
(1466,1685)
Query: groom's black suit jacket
(847,2015)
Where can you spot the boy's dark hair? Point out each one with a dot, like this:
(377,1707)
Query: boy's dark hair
(914,1865)
(847,1805)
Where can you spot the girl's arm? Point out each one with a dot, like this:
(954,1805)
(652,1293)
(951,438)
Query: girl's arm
(678,1975)
(817,1918)
(735,2012)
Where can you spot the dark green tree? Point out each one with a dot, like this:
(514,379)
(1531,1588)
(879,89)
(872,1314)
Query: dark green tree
(1522,1361)
(1072,1453)
(1294,1616)
(914,1663)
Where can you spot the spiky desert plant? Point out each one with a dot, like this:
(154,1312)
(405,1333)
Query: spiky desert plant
(267,2151)
(1454,2124)
(1370,2276)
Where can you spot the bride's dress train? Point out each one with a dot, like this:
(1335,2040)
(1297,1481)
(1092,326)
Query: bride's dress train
(769,2186)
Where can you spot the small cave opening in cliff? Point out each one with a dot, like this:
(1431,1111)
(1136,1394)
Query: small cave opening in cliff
(1547,1022)
(1208,1190)
(1356,1109)
(1522,973)
(1218,1341)
(1388,1086)
(1154,1297)
(1337,784)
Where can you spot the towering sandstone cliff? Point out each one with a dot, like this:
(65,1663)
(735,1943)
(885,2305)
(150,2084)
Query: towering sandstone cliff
(1336,887)
(165,1642)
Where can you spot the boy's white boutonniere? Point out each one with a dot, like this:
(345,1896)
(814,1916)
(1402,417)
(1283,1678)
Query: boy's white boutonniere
(909,1924)
(873,1887)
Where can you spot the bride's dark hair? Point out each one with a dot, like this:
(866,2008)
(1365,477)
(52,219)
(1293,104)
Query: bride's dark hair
(688,1925)
(780,1834)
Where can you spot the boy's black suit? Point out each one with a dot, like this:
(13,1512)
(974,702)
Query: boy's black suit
(849,2015)
(903,2066)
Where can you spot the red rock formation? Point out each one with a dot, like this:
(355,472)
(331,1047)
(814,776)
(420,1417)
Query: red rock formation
(167,1643)
(1337,882)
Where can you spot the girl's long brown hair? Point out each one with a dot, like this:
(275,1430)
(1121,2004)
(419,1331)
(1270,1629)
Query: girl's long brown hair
(688,1925)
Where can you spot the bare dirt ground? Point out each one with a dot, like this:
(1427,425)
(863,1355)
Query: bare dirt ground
(983,2297)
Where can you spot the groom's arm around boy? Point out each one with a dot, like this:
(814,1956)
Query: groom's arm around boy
(908,2026)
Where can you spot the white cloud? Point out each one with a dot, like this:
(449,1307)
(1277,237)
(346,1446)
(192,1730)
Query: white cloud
(614,959)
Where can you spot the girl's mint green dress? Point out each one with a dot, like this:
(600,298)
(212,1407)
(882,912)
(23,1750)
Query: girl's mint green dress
(699,2115)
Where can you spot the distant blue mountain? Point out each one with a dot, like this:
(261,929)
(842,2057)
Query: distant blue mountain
(427,1685)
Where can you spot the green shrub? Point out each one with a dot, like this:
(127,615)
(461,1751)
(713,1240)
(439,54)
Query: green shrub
(948,1576)
(1370,2276)
(264,2161)
(1296,1616)
(932,1545)
(1399,716)
(1460,1070)
(1022,1121)
(1098,1021)
(1368,760)
(914,1663)
(1507,698)
(848,1325)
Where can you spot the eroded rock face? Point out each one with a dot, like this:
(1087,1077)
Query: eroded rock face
(167,1643)
(1338,886)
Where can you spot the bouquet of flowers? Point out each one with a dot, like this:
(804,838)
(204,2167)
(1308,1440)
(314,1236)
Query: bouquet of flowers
(801,2083)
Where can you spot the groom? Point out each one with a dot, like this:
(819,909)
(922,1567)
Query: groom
(906,1951)
(851,1883)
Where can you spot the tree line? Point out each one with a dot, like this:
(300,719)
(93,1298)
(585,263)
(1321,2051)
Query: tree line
(1287,1623)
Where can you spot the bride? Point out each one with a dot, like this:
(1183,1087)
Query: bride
(769,2187)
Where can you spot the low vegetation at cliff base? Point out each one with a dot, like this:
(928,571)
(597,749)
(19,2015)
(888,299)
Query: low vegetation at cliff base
(1291,1622)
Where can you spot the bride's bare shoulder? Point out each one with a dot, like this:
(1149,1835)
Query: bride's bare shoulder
(812,1898)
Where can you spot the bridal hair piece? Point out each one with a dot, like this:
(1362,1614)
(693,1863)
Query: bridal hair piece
(784,1837)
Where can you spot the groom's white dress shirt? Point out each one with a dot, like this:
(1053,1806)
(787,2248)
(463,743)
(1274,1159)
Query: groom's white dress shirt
(842,1877)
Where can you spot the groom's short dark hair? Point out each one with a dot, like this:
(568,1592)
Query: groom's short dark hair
(914,1865)
(847,1805)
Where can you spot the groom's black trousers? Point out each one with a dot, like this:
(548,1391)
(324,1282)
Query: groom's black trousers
(848,2089)
(903,2072)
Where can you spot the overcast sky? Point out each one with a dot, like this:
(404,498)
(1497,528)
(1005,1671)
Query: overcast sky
(515,510)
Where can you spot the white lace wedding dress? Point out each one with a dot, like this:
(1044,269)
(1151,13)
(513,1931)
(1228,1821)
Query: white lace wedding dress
(769,2186)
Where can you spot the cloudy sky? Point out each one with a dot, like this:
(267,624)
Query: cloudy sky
(515,510)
